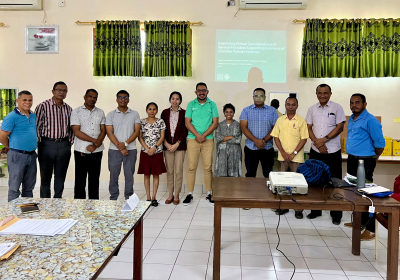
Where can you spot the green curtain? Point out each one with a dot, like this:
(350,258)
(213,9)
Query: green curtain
(168,49)
(118,50)
(7,101)
(354,48)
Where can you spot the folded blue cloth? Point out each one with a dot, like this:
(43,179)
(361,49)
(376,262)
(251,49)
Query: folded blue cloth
(382,194)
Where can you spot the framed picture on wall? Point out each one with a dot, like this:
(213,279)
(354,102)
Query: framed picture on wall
(41,39)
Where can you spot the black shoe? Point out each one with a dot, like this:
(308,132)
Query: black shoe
(281,211)
(313,216)
(154,202)
(188,200)
(336,221)
(208,198)
(298,214)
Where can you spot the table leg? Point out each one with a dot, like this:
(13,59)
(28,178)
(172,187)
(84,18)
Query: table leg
(217,241)
(393,245)
(138,250)
(356,235)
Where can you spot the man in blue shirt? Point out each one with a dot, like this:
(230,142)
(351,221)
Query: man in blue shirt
(18,135)
(257,122)
(364,141)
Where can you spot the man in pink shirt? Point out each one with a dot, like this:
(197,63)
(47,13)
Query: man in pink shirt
(325,121)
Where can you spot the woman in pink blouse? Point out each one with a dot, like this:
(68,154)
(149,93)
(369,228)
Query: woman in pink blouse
(174,146)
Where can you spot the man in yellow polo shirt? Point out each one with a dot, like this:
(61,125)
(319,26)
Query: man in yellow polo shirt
(290,134)
(201,119)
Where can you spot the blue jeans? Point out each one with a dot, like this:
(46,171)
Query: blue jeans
(22,169)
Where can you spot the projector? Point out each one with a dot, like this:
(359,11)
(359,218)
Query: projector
(284,182)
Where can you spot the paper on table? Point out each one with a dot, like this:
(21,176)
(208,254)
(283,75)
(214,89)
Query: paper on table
(6,247)
(372,190)
(39,227)
(131,203)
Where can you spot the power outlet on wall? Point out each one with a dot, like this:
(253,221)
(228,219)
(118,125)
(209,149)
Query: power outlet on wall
(61,3)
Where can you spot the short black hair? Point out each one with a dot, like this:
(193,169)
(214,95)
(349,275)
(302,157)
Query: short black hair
(292,97)
(59,83)
(275,103)
(323,85)
(257,89)
(229,106)
(151,103)
(177,93)
(24,92)
(201,84)
(363,98)
(91,89)
(122,91)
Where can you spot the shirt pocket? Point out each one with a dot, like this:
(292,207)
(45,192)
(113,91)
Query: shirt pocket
(295,131)
(331,120)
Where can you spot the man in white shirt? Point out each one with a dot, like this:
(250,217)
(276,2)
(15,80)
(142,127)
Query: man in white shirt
(88,124)
(325,122)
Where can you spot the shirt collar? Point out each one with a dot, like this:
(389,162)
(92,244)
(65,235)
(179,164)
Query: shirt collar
(254,106)
(84,107)
(294,118)
(18,111)
(327,104)
(207,101)
(179,108)
(361,116)
(127,111)
(52,102)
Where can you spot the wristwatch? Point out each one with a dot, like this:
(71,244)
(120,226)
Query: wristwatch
(295,152)
(156,146)
(265,142)
(327,137)
(126,144)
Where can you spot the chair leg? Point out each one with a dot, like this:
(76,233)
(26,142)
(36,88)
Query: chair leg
(376,239)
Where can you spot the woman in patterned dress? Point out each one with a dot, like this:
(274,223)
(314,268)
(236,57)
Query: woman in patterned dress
(228,136)
(152,132)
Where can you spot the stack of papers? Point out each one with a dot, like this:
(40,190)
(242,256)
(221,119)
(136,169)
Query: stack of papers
(39,227)
(352,180)
(372,190)
(6,247)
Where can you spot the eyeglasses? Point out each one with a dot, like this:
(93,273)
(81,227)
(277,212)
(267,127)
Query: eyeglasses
(123,97)
(201,90)
(61,90)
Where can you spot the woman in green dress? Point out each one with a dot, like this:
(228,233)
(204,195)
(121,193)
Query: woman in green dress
(228,136)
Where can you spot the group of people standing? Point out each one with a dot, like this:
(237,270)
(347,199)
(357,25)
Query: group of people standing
(54,127)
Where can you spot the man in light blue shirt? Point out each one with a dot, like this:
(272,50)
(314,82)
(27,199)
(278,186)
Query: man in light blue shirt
(364,141)
(18,135)
(257,122)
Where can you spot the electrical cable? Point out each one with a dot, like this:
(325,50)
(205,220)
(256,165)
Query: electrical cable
(279,239)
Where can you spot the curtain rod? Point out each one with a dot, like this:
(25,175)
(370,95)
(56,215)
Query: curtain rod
(93,23)
(2,24)
(341,21)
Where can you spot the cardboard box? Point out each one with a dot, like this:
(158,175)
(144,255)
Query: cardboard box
(396,147)
(388,148)
(343,145)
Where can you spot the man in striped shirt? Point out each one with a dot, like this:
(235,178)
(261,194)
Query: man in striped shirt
(55,138)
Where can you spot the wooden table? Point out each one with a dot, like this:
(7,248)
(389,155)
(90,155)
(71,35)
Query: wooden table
(254,193)
(85,250)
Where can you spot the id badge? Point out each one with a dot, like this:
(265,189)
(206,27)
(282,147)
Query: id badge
(222,146)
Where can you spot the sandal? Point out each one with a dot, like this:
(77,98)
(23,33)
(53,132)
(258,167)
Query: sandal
(154,202)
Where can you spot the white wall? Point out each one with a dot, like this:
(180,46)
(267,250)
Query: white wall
(73,64)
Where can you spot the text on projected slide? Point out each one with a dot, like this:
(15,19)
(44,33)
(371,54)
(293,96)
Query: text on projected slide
(237,51)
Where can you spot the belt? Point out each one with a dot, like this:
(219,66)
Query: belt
(58,140)
(23,152)
(362,157)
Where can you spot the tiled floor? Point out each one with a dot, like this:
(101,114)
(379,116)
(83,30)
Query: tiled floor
(178,244)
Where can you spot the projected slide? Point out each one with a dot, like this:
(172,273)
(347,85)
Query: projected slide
(237,51)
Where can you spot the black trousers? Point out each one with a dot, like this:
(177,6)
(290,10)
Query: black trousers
(87,165)
(369,165)
(252,159)
(334,161)
(55,157)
